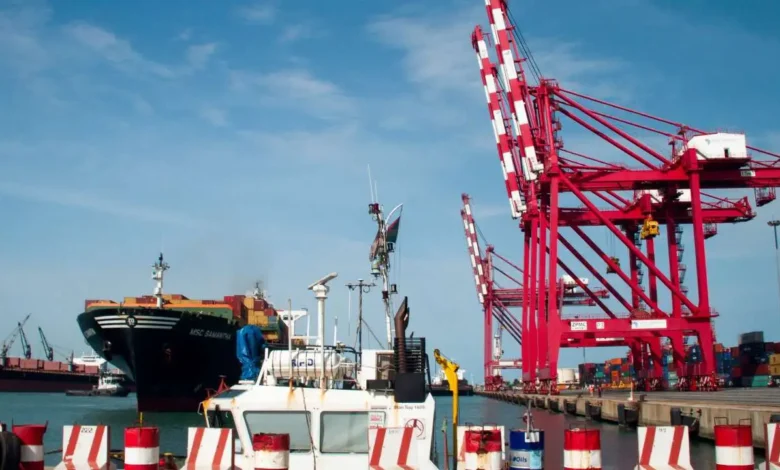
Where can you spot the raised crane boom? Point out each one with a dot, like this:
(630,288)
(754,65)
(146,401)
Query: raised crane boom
(48,350)
(9,341)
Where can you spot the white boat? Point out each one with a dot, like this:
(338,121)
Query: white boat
(89,359)
(328,403)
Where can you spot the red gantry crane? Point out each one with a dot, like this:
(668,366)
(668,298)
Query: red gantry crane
(497,300)
(551,186)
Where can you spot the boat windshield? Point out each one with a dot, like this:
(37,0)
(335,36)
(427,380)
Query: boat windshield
(295,423)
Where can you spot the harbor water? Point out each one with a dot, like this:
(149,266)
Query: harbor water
(619,447)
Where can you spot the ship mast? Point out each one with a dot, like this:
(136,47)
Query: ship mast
(159,269)
(380,262)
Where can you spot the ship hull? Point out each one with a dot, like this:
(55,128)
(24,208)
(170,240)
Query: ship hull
(174,358)
(35,381)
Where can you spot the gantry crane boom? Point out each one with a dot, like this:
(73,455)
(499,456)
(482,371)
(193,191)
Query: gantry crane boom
(26,349)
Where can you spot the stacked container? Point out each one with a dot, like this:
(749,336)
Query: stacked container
(754,359)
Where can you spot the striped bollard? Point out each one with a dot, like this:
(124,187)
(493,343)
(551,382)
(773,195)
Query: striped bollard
(734,447)
(31,437)
(482,449)
(581,449)
(272,451)
(526,450)
(142,448)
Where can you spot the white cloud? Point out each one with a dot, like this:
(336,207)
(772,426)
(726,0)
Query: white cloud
(259,12)
(185,35)
(20,46)
(296,87)
(69,198)
(198,56)
(215,116)
(296,32)
(115,50)
(437,52)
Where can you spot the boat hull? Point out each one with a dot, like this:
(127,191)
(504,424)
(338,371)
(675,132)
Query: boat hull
(38,381)
(174,358)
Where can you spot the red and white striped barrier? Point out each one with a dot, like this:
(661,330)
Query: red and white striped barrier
(483,450)
(461,432)
(85,448)
(142,448)
(272,451)
(31,437)
(391,448)
(664,448)
(210,448)
(581,449)
(734,447)
(773,446)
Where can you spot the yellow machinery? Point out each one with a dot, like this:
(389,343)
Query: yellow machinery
(450,372)
(649,228)
(615,260)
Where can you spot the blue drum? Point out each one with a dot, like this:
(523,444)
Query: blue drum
(526,450)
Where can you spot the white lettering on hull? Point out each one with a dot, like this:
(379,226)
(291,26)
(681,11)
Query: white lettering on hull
(210,334)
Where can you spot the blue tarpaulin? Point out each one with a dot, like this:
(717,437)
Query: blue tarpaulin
(250,346)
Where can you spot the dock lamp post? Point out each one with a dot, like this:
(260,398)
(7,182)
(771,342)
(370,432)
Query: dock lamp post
(774,223)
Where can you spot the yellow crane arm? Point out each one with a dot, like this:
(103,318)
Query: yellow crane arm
(450,372)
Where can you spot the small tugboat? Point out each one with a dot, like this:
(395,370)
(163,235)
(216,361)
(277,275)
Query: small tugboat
(328,403)
(108,386)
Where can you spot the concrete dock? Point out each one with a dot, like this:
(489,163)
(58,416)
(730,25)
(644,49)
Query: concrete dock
(702,410)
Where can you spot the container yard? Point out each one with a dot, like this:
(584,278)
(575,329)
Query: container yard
(752,363)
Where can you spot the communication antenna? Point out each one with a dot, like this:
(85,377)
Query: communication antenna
(159,271)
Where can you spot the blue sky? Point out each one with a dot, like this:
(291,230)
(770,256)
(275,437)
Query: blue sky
(237,137)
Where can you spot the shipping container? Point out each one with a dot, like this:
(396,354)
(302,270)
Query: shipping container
(755,381)
(774,360)
(51,365)
(774,370)
(91,369)
(751,337)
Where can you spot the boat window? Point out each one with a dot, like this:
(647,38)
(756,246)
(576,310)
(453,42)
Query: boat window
(221,419)
(344,432)
(294,423)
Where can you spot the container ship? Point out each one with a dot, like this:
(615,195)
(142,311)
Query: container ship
(752,363)
(26,374)
(175,349)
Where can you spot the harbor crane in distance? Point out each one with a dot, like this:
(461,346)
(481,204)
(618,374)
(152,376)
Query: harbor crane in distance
(11,339)
(48,350)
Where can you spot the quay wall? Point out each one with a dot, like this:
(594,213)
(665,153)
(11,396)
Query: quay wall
(652,413)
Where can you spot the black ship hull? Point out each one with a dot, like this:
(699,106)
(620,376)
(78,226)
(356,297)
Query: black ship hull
(444,391)
(23,380)
(175,358)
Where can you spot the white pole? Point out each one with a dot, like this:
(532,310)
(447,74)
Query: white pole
(335,330)
(308,329)
(290,329)
(321,292)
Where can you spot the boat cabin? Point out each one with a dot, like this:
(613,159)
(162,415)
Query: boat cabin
(329,427)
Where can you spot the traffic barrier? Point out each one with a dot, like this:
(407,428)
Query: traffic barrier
(526,450)
(773,446)
(210,448)
(391,448)
(581,449)
(663,448)
(272,451)
(31,437)
(85,448)
(734,447)
(483,450)
(461,433)
(142,448)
